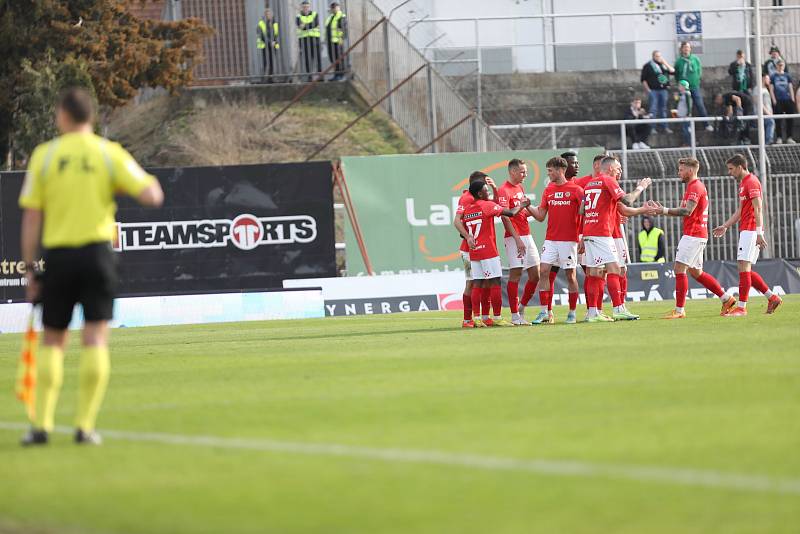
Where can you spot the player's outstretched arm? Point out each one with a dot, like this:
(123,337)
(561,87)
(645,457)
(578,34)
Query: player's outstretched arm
(152,196)
(675,212)
(720,230)
(631,197)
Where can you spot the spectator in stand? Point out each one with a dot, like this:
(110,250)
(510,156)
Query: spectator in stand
(638,132)
(769,122)
(771,65)
(783,103)
(655,80)
(683,109)
(689,68)
(741,72)
(730,106)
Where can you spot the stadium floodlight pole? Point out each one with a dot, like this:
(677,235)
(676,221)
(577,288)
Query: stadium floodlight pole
(762,149)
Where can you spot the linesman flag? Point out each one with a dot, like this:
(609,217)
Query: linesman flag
(26,371)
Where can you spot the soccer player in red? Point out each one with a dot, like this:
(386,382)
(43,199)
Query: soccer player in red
(602,199)
(477,223)
(465,200)
(581,182)
(573,166)
(621,243)
(750,216)
(561,203)
(520,248)
(689,256)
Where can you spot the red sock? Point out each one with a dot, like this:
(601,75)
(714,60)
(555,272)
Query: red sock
(476,300)
(513,296)
(552,290)
(600,292)
(486,298)
(758,282)
(745,281)
(681,288)
(586,278)
(573,301)
(497,300)
(527,293)
(710,283)
(614,289)
(544,298)
(623,284)
(467,307)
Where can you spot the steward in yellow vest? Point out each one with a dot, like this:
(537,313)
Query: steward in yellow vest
(651,242)
(308,35)
(335,28)
(267,42)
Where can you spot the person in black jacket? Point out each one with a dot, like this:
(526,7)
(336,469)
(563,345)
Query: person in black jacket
(655,81)
(638,132)
(741,72)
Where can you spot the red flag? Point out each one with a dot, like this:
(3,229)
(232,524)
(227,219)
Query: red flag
(26,371)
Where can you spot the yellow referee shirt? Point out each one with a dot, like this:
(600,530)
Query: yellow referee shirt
(72,180)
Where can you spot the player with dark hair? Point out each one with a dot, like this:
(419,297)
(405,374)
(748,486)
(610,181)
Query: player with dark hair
(561,203)
(520,248)
(573,167)
(476,222)
(465,200)
(68,203)
(581,182)
(750,217)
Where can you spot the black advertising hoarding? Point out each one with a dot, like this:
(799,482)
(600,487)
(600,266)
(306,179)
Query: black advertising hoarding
(242,227)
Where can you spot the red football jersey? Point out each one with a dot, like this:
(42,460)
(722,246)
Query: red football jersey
(465,200)
(510,196)
(562,202)
(583,180)
(479,220)
(600,206)
(696,224)
(749,189)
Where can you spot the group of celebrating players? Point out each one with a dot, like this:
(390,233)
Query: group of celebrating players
(585,222)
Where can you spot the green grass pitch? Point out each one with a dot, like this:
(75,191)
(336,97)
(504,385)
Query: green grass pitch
(406,423)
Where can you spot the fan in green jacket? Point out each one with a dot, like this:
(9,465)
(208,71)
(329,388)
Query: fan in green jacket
(689,68)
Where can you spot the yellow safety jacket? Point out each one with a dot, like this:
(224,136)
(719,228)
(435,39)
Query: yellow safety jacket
(308,25)
(334,24)
(262,37)
(648,245)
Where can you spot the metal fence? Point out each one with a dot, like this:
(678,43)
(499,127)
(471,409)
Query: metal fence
(782,196)
(426,105)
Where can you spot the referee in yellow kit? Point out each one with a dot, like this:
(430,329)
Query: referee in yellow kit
(68,203)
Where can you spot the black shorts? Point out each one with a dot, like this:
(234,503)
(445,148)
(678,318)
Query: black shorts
(85,275)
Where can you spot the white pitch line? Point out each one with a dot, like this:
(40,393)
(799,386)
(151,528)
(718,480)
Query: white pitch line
(568,468)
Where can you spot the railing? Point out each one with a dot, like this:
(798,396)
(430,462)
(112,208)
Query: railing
(427,104)
(782,206)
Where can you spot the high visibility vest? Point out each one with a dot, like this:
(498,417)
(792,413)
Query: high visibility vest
(334,25)
(648,245)
(305,20)
(262,37)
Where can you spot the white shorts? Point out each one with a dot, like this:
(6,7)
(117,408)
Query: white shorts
(564,254)
(467,265)
(622,251)
(600,251)
(531,257)
(487,269)
(748,250)
(690,251)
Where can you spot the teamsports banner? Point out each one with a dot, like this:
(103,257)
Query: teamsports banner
(242,227)
(406,204)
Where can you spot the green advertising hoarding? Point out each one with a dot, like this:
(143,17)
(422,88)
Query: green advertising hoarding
(405,204)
